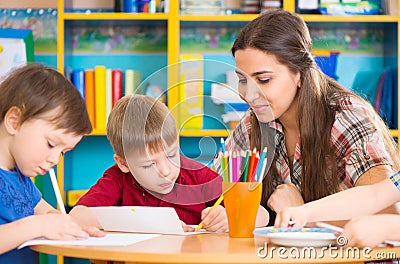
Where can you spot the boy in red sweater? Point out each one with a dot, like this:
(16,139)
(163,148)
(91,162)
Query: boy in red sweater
(149,170)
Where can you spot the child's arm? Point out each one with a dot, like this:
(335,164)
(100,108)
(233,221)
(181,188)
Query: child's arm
(51,226)
(84,216)
(92,228)
(44,207)
(370,231)
(343,205)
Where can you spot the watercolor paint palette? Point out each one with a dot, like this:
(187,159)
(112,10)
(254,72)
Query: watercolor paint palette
(298,237)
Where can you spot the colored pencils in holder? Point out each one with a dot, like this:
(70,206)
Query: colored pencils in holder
(244,166)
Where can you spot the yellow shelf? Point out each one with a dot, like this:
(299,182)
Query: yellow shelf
(235,17)
(394,133)
(207,132)
(326,18)
(204,133)
(115,16)
(98,132)
(308,18)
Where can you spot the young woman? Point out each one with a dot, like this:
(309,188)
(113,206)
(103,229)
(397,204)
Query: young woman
(325,138)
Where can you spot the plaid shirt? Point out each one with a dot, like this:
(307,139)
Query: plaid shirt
(357,145)
(396,179)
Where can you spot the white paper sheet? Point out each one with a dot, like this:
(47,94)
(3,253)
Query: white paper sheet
(140,219)
(108,240)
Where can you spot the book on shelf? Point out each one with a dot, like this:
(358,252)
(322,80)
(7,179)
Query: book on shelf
(102,87)
(191,107)
(108,91)
(90,95)
(132,81)
(116,86)
(78,80)
(100,96)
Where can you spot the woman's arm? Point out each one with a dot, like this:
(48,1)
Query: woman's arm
(361,200)
(382,198)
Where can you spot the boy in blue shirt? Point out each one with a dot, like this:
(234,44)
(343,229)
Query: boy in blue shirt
(42,116)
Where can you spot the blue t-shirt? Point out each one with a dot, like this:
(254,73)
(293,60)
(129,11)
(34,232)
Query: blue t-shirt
(18,199)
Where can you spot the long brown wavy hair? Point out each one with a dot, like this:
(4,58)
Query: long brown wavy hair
(285,35)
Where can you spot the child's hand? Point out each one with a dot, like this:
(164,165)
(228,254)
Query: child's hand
(369,231)
(60,227)
(214,219)
(291,217)
(187,228)
(94,231)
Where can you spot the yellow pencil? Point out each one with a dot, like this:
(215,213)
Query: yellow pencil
(218,202)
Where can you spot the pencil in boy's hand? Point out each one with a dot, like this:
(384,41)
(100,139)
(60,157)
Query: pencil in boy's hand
(218,202)
(57,191)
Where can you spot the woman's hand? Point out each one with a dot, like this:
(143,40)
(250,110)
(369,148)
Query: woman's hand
(285,195)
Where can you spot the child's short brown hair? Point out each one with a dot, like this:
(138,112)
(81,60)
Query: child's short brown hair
(37,89)
(138,122)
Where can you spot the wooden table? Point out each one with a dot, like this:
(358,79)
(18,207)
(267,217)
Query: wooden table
(210,248)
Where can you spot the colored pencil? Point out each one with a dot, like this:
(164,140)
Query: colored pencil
(246,165)
(251,165)
(223,145)
(224,165)
(234,167)
(260,163)
(264,166)
(230,166)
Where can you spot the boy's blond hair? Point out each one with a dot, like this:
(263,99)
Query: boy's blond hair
(140,122)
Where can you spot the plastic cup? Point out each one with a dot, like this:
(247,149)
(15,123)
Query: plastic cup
(241,201)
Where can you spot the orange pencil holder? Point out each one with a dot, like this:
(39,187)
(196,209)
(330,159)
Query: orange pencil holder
(241,200)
